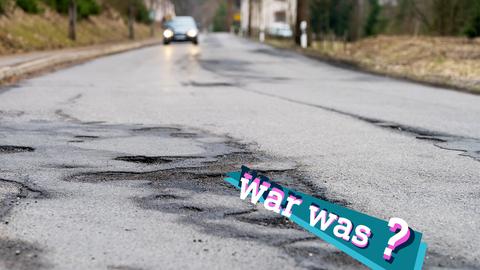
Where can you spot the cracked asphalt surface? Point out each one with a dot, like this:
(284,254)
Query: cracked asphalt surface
(117,163)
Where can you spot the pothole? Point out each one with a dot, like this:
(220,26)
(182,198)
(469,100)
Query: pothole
(144,159)
(157,129)
(191,208)
(430,138)
(276,221)
(211,84)
(165,196)
(201,198)
(187,183)
(86,137)
(183,135)
(10,149)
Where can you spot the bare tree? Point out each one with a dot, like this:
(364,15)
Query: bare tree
(421,15)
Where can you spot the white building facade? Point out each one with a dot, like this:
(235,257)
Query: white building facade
(162,9)
(265,13)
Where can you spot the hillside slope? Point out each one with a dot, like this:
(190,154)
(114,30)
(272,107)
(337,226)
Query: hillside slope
(22,32)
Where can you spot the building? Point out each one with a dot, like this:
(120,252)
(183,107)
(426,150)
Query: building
(265,13)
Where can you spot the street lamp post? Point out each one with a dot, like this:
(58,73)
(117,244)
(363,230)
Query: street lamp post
(302,18)
(303,35)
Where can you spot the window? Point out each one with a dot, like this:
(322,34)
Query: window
(280,16)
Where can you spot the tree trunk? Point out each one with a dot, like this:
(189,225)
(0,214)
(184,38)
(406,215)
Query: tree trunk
(72,20)
(131,19)
(356,26)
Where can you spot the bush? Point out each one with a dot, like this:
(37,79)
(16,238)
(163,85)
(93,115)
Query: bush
(3,6)
(29,6)
(142,13)
(85,8)
(329,17)
(220,18)
(50,3)
(472,29)
(371,26)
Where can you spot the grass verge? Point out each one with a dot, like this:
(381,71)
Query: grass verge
(439,61)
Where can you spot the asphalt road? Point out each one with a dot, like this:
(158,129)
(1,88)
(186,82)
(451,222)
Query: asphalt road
(117,163)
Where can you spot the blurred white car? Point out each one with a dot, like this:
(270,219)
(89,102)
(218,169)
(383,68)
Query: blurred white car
(280,29)
(181,28)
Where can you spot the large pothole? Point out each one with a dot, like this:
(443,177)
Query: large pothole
(182,170)
(10,149)
(193,188)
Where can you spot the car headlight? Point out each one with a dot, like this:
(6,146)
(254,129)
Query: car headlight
(192,33)
(168,33)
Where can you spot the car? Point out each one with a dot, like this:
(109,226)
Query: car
(181,28)
(280,29)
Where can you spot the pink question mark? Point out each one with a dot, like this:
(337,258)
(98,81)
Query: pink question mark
(399,238)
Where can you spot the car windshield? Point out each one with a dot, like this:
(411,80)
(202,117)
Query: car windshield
(182,22)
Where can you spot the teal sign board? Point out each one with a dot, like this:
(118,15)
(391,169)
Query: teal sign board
(377,243)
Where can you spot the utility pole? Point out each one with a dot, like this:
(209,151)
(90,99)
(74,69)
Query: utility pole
(153,6)
(303,14)
(229,18)
(72,20)
(131,19)
(250,11)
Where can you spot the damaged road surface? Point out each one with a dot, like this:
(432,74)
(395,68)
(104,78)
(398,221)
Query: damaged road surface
(136,197)
(118,163)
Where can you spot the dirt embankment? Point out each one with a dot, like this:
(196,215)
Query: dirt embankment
(21,32)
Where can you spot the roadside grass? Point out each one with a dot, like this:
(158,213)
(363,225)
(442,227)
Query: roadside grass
(21,32)
(443,61)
